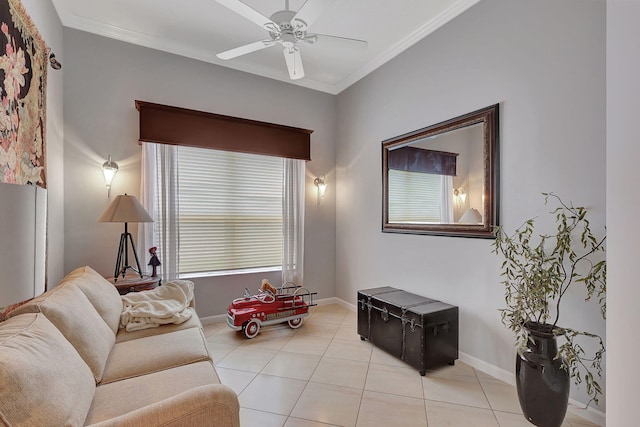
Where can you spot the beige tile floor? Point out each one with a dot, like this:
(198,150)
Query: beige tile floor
(322,374)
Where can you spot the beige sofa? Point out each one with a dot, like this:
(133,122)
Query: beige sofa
(65,362)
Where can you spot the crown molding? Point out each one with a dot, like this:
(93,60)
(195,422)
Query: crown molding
(429,27)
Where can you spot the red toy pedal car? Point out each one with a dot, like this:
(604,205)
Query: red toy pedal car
(289,303)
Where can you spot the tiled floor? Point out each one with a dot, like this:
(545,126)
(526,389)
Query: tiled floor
(322,374)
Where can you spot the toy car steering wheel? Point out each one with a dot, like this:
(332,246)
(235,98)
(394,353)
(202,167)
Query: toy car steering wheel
(266,297)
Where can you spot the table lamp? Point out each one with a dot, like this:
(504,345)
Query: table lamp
(471,216)
(125,208)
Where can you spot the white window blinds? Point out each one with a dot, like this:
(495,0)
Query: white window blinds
(414,197)
(230,211)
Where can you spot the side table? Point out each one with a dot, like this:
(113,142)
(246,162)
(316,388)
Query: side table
(133,283)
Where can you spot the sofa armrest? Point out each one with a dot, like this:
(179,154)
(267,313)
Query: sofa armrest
(213,405)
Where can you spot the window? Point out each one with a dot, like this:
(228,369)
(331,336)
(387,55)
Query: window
(415,197)
(229,211)
(220,215)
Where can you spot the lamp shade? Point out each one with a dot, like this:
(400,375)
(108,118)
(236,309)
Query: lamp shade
(125,208)
(471,216)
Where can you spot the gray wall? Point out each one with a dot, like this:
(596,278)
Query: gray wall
(103,77)
(623,152)
(46,19)
(544,63)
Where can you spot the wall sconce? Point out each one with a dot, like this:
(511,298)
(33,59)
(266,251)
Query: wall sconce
(109,169)
(322,187)
(459,196)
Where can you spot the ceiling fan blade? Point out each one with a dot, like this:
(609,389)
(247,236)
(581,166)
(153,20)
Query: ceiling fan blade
(294,62)
(309,12)
(251,14)
(247,48)
(335,41)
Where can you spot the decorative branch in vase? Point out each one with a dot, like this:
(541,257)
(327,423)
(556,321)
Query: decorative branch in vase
(538,271)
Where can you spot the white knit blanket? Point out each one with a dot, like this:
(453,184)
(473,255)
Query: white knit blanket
(168,303)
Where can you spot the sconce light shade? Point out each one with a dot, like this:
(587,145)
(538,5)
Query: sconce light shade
(109,169)
(460,195)
(322,187)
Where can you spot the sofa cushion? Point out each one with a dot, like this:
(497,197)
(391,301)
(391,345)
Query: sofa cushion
(155,353)
(43,380)
(213,405)
(102,294)
(124,335)
(70,311)
(121,397)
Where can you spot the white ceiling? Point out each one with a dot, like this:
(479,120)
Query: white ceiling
(201,28)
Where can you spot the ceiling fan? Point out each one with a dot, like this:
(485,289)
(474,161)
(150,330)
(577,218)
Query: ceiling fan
(287,28)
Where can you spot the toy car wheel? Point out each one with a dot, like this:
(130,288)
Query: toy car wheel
(295,323)
(251,329)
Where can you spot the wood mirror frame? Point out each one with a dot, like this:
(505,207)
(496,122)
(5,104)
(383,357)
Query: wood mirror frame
(484,198)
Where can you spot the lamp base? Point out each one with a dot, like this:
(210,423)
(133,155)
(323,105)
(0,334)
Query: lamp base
(122,263)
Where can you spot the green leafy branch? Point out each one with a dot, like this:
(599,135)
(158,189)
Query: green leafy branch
(579,366)
(538,270)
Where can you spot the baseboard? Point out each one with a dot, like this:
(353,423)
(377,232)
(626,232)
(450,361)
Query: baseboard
(211,320)
(594,415)
(489,369)
(336,300)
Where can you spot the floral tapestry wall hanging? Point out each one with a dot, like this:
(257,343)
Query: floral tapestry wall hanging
(23,79)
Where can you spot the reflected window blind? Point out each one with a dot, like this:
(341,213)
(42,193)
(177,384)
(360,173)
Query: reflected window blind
(230,211)
(414,196)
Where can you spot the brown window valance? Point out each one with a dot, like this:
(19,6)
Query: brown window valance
(414,159)
(164,124)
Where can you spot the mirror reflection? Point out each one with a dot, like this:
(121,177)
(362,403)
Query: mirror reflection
(441,179)
(437,179)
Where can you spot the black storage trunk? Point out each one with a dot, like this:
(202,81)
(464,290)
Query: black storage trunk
(420,331)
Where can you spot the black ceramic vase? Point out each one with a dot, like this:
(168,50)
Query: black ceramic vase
(542,384)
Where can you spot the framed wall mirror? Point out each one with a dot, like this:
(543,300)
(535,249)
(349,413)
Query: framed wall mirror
(443,179)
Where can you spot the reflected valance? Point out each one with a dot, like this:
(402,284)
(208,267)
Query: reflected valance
(414,159)
(164,124)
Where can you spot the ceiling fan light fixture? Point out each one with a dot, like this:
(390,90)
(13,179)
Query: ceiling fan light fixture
(288,40)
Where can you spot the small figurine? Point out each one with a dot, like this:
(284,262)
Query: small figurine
(154,262)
